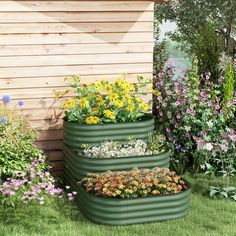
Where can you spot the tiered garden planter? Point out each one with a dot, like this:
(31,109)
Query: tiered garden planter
(77,134)
(79,165)
(131,211)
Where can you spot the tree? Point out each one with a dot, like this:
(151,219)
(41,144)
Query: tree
(191,15)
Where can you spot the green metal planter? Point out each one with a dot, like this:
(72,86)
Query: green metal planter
(130,211)
(77,134)
(80,165)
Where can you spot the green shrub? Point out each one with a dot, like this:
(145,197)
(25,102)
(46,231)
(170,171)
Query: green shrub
(17,147)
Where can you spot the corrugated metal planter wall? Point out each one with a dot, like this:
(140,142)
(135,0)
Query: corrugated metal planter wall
(77,134)
(132,211)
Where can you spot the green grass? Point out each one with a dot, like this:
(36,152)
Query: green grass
(207,217)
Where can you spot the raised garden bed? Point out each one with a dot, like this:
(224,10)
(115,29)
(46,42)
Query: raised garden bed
(118,211)
(79,165)
(76,134)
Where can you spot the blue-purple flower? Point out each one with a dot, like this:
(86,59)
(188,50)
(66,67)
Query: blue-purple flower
(6,99)
(3,120)
(21,103)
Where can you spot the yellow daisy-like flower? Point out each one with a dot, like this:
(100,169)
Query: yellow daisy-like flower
(144,106)
(108,88)
(113,96)
(69,104)
(83,102)
(109,114)
(156,92)
(98,85)
(130,108)
(118,103)
(92,120)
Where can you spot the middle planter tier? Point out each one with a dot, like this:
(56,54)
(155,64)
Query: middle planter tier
(79,165)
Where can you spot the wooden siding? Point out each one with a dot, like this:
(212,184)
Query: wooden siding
(41,42)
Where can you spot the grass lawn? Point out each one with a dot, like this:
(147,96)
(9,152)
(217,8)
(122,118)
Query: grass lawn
(206,217)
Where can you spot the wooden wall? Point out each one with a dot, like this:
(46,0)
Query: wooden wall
(41,42)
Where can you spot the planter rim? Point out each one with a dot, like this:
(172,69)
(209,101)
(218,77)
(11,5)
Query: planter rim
(90,195)
(146,117)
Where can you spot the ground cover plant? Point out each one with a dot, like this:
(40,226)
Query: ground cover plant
(136,147)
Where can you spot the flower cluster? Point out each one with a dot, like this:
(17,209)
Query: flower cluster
(114,149)
(104,102)
(136,183)
(35,184)
(188,110)
(137,147)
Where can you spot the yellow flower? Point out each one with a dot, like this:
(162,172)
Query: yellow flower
(69,103)
(98,85)
(109,114)
(83,102)
(156,92)
(108,88)
(113,96)
(118,103)
(155,192)
(92,120)
(100,100)
(144,106)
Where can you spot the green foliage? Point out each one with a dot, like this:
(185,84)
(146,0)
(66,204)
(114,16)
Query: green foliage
(190,15)
(207,51)
(227,192)
(17,138)
(229,83)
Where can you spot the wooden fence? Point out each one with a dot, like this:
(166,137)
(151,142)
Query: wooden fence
(41,42)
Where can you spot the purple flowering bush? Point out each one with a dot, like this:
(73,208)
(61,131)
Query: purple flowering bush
(24,171)
(34,185)
(196,121)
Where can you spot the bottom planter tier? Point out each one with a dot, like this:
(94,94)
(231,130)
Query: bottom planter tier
(129,211)
(80,165)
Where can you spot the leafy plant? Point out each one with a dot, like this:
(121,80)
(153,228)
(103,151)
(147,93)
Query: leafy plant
(227,192)
(17,147)
(192,117)
(229,84)
(104,102)
(136,183)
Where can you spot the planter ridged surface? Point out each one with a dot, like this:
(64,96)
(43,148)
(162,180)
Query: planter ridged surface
(80,165)
(130,211)
(77,134)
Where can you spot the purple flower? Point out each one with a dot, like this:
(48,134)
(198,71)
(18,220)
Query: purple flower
(3,120)
(6,99)
(21,103)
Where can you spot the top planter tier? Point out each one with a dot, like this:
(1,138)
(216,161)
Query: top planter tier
(77,134)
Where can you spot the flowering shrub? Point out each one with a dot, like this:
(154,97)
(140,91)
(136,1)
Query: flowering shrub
(34,184)
(136,183)
(132,148)
(17,138)
(104,102)
(189,113)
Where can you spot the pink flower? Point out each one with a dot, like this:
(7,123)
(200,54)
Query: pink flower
(208,146)
(177,103)
(164,104)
